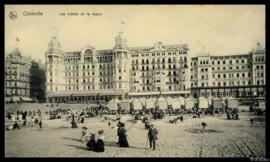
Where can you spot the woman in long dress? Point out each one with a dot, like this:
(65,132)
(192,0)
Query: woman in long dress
(99,147)
(123,136)
(92,142)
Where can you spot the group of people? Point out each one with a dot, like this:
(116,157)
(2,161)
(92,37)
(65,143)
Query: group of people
(23,118)
(122,135)
(233,114)
(93,143)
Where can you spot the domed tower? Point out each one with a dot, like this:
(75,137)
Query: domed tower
(54,65)
(121,63)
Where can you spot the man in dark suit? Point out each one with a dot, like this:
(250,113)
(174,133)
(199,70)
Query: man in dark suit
(152,136)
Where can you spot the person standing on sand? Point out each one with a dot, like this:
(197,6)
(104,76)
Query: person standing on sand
(118,131)
(152,136)
(40,122)
(123,142)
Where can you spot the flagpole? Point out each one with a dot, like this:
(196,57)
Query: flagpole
(17,42)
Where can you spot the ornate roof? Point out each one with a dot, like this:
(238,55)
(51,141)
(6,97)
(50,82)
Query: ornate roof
(160,48)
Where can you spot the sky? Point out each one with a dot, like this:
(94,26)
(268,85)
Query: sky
(214,29)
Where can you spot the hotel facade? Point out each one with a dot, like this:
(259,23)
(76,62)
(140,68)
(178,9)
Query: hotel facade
(89,74)
(24,78)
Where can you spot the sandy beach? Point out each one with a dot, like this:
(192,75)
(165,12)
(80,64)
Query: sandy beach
(222,138)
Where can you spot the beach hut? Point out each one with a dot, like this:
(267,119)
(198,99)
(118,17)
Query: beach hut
(174,102)
(113,104)
(137,104)
(124,104)
(210,100)
(150,103)
(217,103)
(181,100)
(162,103)
(203,103)
(224,100)
(232,102)
(143,101)
(190,102)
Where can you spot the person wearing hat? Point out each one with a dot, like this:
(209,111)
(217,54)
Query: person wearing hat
(92,142)
(99,146)
(152,136)
(84,134)
(118,130)
(123,142)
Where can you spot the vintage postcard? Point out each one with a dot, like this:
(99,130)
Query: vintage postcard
(135,81)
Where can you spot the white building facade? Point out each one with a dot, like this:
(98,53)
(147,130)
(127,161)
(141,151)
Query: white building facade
(91,75)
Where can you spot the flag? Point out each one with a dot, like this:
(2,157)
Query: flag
(17,39)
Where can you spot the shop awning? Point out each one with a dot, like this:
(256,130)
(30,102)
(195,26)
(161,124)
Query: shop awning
(15,99)
(7,99)
(26,99)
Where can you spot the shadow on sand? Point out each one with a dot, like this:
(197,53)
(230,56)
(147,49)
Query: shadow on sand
(110,144)
(133,121)
(78,147)
(203,131)
(114,144)
(73,139)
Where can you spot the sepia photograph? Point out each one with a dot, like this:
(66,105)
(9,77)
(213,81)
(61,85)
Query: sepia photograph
(135,81)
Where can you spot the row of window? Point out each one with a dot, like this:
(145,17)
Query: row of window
(150,88)
(232,75)
(90,59)
(260,74)
(205,62)
(22,92)
(158,54)
(158,60)
(229,61)
(89,87)
(17,84)
(259,58)
(258,67)
(19,77)
(237,83)
(109,66)
(229,68)
(243,75)
(104,73)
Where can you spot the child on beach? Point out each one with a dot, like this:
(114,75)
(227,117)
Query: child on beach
(84,134)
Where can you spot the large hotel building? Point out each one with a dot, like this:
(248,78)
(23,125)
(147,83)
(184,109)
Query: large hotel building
(152,71)
(24,78)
